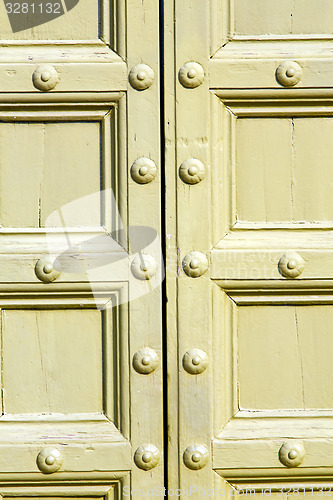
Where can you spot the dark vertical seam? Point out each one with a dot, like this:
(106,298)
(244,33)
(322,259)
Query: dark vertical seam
(163,240)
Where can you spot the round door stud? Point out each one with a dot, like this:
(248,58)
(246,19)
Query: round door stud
(49,460)
(45,77)
(141,77)
(145,361)
(292,453)
(195,361)
(143,171)
(195,264)
(45,271)
(147,457)
(289,73)
(191,75)
(144,266)
(196,456)
(291,265)
(192,171)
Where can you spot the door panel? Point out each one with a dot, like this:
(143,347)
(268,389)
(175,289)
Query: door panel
(289,17)
(285,366)
(49,165)
(251,228)
(52,361)
(77,414)
(31,21)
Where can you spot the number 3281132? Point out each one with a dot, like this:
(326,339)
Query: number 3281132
(33,8)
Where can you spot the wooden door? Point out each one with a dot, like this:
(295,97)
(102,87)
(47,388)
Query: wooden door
(250,303)
(81,385)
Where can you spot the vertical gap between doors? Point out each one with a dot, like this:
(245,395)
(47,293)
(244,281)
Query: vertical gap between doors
(163,239)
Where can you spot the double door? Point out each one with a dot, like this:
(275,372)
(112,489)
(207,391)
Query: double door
(206,372)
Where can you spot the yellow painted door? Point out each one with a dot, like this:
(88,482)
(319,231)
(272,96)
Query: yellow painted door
(250,302)
(80,264)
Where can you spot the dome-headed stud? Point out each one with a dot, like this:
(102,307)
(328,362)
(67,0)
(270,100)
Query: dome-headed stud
(147,457)
(191,75)
(143,170)
(292,453)
(195,264)
(192,171)
(195,361)
(289,73)
(49,460)
(141,77)
(196,456)
(145,361)
(45,271)
(291,265)
(45,77)
(144,266)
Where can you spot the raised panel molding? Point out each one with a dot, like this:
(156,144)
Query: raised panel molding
(93,445)
(106,113)
(277,108)
(83,491)
(79,54)
(246,448)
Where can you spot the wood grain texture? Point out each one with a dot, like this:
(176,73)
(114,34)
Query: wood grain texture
(288,17)
(80,23)
(67,370)
(284,356)
(37,162)
(267,191)
(282,169)
(52,362)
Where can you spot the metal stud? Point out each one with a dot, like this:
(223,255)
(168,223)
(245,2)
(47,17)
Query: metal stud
(144,266)
(196,456)
(291,265)
(45,271)
(192,171)
(292,453)
(45,77)
(195,361)
(191,75)
(289,73)
(49,460)
(195,264)
(145,361)
(143,170)
(141,77)
(147,456)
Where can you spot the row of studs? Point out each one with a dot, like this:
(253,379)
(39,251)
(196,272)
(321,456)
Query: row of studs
(191,171)
(195,457)
(195,264)
(46,77)
(291,264)
(141,77)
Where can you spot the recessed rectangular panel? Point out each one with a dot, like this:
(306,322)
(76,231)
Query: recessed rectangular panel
(52,361)
(46,166)
(71,173)
(263,169)
(286,17)
(313,173)
(284,357)
(283,171)
(50,19)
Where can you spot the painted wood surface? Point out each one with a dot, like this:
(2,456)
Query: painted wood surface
(260,122)
(68,383)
